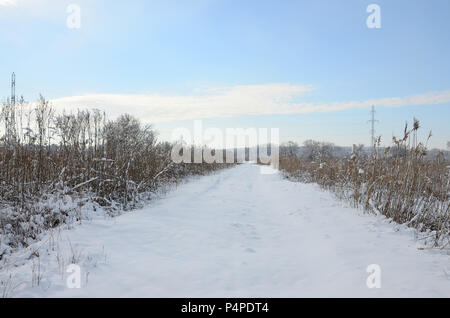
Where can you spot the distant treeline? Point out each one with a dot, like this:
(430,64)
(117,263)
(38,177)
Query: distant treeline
(313,149)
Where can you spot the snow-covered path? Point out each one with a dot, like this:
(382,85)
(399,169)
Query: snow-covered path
(241,233)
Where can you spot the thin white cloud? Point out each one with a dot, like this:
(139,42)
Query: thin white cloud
(232,101)
(8,3)
(40,8)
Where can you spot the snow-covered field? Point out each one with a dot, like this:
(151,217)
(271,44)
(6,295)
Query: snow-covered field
(238,233)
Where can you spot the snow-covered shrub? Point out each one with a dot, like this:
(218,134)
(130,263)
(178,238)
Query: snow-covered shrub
(400,182)
(55,166)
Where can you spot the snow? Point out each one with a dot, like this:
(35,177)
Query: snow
(242,232)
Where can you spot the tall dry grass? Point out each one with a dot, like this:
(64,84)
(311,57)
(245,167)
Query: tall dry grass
(52,164)
(398,182)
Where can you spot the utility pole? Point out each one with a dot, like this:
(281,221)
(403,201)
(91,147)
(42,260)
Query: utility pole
(13,90)
(10,119)
(372,121)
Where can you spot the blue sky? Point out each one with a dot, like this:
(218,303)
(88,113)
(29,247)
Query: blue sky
(311,68)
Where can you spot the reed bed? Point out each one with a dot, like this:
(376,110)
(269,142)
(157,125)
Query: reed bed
(399,182)
(56,166)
